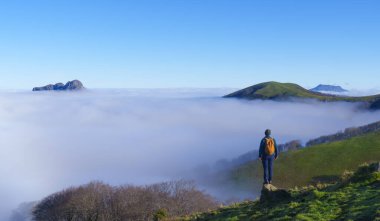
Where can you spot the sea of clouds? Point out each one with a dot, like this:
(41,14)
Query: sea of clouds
(53,140)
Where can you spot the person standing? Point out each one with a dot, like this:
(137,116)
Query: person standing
(267,154)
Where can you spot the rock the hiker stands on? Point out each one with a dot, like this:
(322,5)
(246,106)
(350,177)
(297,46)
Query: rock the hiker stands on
(270,193)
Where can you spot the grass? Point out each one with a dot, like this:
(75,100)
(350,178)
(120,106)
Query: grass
(355,198)
(276,90)
(323,163)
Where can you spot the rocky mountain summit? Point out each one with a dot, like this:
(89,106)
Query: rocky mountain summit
(69,86)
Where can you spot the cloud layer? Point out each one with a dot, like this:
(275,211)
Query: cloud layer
(51,141)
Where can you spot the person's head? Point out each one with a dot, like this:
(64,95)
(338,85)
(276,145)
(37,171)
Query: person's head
(268,132)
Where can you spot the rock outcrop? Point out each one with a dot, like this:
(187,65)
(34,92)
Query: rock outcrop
(270,193)
(69,86)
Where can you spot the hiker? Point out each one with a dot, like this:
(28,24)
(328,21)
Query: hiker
(267,154)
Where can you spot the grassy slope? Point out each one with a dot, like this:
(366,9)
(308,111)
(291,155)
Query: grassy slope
(357,198)
(297,168)
(276,90)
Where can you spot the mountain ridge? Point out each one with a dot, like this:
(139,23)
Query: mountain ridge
(287,91)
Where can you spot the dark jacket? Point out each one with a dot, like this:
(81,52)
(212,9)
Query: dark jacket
(262,153)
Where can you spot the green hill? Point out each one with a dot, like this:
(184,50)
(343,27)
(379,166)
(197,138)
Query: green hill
(324,162)
(283,91)
(355,197)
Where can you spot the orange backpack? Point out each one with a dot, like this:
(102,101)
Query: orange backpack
(269,146)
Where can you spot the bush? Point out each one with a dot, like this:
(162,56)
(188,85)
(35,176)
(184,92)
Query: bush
(160,214)
(101,202)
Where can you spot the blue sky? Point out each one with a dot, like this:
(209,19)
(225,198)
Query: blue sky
(178,43)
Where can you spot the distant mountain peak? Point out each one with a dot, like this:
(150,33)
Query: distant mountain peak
(69,86)
(328,88)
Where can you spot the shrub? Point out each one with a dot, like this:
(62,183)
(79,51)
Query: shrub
(160,214)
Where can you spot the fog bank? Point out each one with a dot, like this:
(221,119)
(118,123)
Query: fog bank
(53,140)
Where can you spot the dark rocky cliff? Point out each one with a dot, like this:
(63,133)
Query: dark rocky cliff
(69,86)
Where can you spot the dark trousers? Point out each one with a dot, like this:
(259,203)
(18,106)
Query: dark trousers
(268,168)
